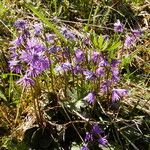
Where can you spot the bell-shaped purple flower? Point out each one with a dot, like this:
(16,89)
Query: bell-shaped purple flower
(115,74)
(103,62)
(33,71)
(104,87)
(66,53)
(50,37)
(33,43)
(66,66)
(38,28)
(79,55)
(17,42)
(43,64)
(95,56)
(68,34)
(118,93)
(31,57)
(77,69)
(100,72)
(89,75)
(58,69)
(96,129)
(115,63)
(20,24)
(15,66)
(54,49)
(129,41)
(88,137)
(84,147)
(102,141)
(90,98)
(118,26)
(136,33)
(25,81)
(87,41)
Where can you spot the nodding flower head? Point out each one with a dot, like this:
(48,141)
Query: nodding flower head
(25,81)
(118,93)
(96,129)
(79,55)
(102,141)
(88,137)
(89,75)
(20,24)
(90,98)
(100,72)
(66,66)
(118,26)
(84,147)
(95,56)
(136,33)
(38,28)
(129,41)
(15,66)
(68,34)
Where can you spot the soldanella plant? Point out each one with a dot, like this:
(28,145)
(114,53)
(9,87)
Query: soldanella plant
(83,73)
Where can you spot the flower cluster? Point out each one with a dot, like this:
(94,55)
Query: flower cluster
(95,135)
(28,53)
(130,38)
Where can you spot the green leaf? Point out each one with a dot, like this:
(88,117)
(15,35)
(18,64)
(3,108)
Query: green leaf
(95,41)
(3,96)
(114,46)
(46,21)
(105,45)
(100,41)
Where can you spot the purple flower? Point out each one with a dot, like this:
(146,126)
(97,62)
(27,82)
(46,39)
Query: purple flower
(118,26)
(104,87)
(31,57)
(88,137)
(33,43)
(89,75)
(68,34)
(77,69)
(38,27)
(87,41)
(84,147)
(54,49)
(103,141)
(118,93)
(106,37)
(79,55)
(15,66)
(115,63)
(136,33)
(66,66)
(66,53)
(103,62)
(95,56)
(59,69)
(14,55)
(96,129)
(43,64)
(115,73)
(129,41)
(33,71)
(90,98)
(50,37)
(25,81)
(100,72)
(17,42)
(20,24)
